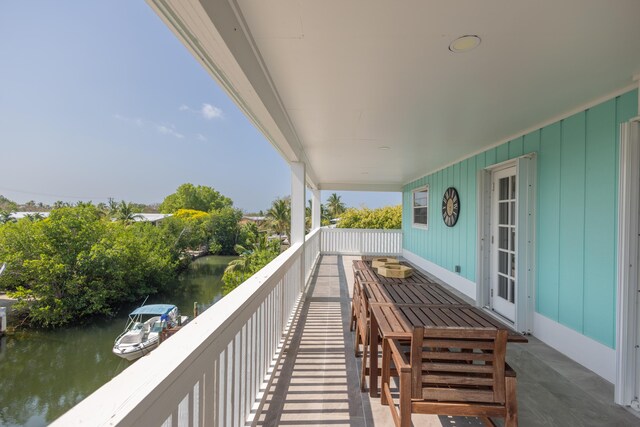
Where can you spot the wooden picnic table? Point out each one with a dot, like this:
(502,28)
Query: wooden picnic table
(397,305)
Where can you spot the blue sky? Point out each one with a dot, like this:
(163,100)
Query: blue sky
(99,99)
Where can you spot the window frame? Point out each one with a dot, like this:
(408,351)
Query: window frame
(414,224)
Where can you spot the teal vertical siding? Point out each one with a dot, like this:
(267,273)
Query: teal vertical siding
(576,215)
(548,222)
(516,148)
(600,230)
(572,189)
(502,153)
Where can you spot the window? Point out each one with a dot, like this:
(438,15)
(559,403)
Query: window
(421,207)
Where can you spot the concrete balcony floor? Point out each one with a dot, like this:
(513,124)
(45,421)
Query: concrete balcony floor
(317,380)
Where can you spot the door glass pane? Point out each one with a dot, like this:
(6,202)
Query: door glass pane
(513,239)
(512,288)
(513,213)
(504,213)
(513,188)
(503,238)
(513,265)
(502,287)
(503,262)
(504,188)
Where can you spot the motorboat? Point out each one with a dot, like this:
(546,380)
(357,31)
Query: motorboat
(144,327)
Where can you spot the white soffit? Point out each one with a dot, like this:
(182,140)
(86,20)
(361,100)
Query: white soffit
(330,82)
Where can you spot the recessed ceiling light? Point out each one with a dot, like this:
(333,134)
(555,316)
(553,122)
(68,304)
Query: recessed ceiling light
(383,148)
(464,43)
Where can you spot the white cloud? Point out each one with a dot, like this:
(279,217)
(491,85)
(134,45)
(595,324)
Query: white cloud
(207,111)
(210,112)
(201,137)
(169,130)
(163,129)
(133,121)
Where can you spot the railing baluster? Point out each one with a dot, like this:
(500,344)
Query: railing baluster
(238,380)
(211,396)
(228,383)
(196,407)
(246,356)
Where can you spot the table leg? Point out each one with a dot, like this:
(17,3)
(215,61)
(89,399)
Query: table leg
(373,356)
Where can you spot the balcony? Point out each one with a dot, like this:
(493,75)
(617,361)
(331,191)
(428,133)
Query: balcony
(278,351)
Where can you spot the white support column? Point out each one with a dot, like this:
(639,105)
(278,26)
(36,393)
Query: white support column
(297,202)
(626,301)
(315,210)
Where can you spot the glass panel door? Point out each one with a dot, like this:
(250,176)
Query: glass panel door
(503,242)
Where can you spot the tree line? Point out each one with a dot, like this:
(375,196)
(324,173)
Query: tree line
(85,260)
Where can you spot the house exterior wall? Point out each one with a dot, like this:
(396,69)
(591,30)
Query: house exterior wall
(576,222)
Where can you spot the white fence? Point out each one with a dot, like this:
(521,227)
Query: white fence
(216,370)
(361,242)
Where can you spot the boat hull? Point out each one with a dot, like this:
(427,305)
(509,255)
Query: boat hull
(132,353)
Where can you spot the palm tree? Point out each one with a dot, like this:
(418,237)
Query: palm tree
(325,218)
(279,218)
(241,264)
(124,212)
(335,206)
(324,215)
(6,217)
(308,213)
(258,244)
(112,207)
(33,217)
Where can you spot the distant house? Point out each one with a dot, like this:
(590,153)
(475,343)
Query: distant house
(153,218)
(258,220)
(25,214)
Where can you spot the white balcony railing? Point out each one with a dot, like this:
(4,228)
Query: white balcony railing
(361,242)
(215,371)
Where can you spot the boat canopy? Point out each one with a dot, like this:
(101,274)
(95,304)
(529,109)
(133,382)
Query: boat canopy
(153,309)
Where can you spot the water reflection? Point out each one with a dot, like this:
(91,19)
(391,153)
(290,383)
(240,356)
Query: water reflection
(45,373)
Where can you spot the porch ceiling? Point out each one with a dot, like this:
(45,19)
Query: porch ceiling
(330,82)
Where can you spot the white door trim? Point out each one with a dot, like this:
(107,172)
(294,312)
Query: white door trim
(502,304)
(626,302)
(526,176)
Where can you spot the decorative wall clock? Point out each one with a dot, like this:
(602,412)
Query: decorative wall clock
(450,207)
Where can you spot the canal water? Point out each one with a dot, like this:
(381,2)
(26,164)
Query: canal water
(45,373)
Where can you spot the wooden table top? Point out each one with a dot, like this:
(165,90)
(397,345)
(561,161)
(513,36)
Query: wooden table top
(396,321)
(409,293)
(368,274)
(398,304)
